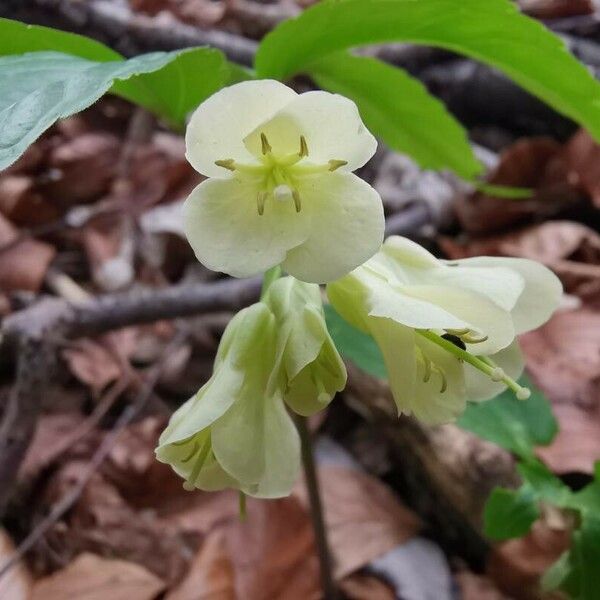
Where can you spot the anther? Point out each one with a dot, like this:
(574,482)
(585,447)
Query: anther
(303,147)
(261,198)
(336,164)
(471,339)
(266,147)
(228,164)
(297,202)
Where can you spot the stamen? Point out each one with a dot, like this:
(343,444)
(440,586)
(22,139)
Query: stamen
(190,484)
(195,449)
(336,164)
(458,332)
(427,374)
(228,164)
(481,363)
(266,147)
(261,198)
(297,202)
(303,147)
(443,376)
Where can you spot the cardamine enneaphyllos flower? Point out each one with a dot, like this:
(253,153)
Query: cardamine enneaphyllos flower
(236,432)
(447,329)
(281,188)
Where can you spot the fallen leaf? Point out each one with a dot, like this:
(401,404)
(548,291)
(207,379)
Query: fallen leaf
(16,583)
(364,518)
(210,576)
(582,157)
(362,586)
(477,587)
(272,552)
(91,577)
(563,357)
(517,565)
(98,363)
(554,9)
(22,203)
(527,164)
(24,265)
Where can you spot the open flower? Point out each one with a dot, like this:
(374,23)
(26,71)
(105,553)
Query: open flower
(446,328)
(236,432)
(280,187)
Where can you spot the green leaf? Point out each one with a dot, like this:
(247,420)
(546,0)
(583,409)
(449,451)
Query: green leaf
(509,513)
(18,38)
(494,32)
(576,571)
(355,345)
(171,91)
(47,86)
(516,425)
(543,484)
(399,110)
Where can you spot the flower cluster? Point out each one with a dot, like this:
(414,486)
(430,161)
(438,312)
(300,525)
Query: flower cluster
(235,432)
(280,191)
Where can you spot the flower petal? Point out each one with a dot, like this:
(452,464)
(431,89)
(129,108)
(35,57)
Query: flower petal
(432,405)
(541,295)
(478,311)
(346,227)
(257,443)
(408,253)
(219,125)
(480,387)
(227,233)
(397,344)
(330,124)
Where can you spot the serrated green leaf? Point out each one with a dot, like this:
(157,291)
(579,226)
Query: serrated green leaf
(509,513)
(516,425)
(400,111)
(494,32)
(46,86)
(355,345)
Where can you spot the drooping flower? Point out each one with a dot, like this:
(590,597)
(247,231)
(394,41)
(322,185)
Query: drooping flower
(446,329)
(236,432)
(281,188)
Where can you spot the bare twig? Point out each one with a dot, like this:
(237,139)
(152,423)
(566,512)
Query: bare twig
(67,502)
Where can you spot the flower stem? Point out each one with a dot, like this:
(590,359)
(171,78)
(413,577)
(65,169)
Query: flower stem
(316,510)
(273,274)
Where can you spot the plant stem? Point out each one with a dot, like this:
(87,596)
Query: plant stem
(273,274)
(316,510)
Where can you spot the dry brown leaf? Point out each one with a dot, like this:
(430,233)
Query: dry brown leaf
(91,577)
(81,169)
(582,157)
(527,163)
(364,518)
(360,586)
(98,363)
(273,552)
(516,565)
(210,576)
(554,9)
(16,584)
(24,265)
(563,356)
(22,203)
(477,587)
